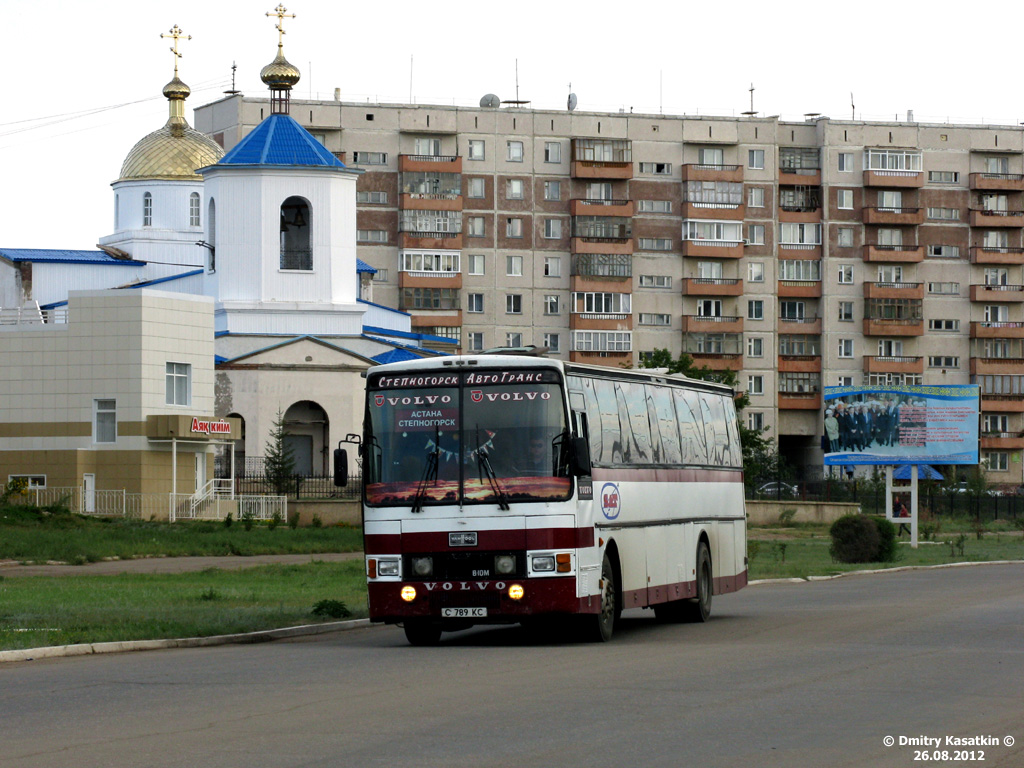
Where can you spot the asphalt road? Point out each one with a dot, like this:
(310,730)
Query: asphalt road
(813,674)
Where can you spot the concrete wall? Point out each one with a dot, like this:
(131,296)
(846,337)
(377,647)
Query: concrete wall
(767,512)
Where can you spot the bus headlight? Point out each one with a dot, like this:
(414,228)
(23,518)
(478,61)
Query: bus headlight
(504,564)
(541,563)
(516,591)
(387,567)
(423,566)
(408,594)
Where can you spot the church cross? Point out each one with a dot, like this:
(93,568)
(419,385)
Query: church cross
(282,13)
(177,35)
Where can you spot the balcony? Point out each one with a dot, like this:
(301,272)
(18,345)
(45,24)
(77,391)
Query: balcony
(448,241)
(601,266)
(894,217)
(894,291)
(800,251)
(713,249)
(429,279)
(589,207)
(430,163)
(1002,403)
(799,177)
(800,325)
(712,286)
(799,401)
(438,202)
(990,218)
(1006,441)
(715,324)
(717,362)
(728,211)
(997,330)
(799,214)
(890,179)
(874,326)
(896,254)
(607,359)
(983,364)
(982,254)
(997,294)
(601,245)
(600,321)
(602,159)
(893,364)
(429,299)
(997,182)
(799,363)
(800,289)
(709,172)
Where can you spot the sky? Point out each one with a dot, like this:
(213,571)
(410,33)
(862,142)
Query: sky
(92,73)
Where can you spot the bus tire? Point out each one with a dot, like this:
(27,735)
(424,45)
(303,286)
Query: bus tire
(422,632)
(699,610)
(600,627)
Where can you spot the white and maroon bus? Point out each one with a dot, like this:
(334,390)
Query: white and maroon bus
(501,488)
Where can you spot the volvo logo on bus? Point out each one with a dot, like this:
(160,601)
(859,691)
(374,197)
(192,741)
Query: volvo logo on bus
(611,503)
(476,395)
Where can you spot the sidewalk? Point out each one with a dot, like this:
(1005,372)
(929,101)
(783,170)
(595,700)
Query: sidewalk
(11,569)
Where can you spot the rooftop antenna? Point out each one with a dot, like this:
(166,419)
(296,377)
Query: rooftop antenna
(661,91)
(410,78)
(517,102)
(233,91)
(751,112)
(853,110)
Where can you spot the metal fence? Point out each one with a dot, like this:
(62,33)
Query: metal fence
(303,487)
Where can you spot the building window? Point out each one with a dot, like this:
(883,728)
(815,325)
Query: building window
(755,385)
(371,197)
(513,339)
(475,302)
(476,264)
(799,234)
(755,421)
(514,189)
(716,231)
(552,152)
(845,347)
(147,210)
(892,160)
(846,274)
(179,384)
(552,342)
(791,310)
(514,152)
(648,318)
(476,341)
(369,158)
(755,159)
(551,304)
(514,228)
(944,325)
(844,381)
(655,243)
(193,210)
(552,229)
(426,261)
(654,206)
(427,147)
(514,265)
(552,266)
(755,346)
(755,272)
(656,169)
(655,281)
(755,309)
(380,276)
(475,226)
(476,149)
(946,289)
(944,177)
(602,341)
(372,235)
(997,461)
(104,427)
(755,197)
(844,237)
(845,311)
(477,188)
(31,481)
(846,161)
(755,234)
(552,190)
(995,422)
(943,251)
(590,302)
(943,214)
(844,199)
(944,361)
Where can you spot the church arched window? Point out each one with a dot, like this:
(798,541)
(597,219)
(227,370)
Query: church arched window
(193,209)
(147,210)
(296,244)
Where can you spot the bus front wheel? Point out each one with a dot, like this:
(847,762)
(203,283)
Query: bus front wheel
(599,628)
(422,633)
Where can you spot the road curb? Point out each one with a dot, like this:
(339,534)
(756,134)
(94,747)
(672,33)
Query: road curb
(263,636)
(897,569)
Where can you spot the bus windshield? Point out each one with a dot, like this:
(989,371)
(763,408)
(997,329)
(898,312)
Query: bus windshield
(466,438)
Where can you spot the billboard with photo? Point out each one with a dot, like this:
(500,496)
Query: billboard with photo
(901,425)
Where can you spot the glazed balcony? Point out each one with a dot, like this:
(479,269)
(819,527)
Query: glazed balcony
(997,182)
(799,214)
(894,291)
(894,217)
(602,159)
(713,249)
(717,362)
(429,279)
(1012,363)
(1006,441)
(712,286)
(607,359)
(799,289)
(993,219)
(981,254)
(800,251)
(799,401)
(799,177)
(1002,403)
(893,364)
(716,324)
(600,321)
(997,294)
(799,363)
(730,211)
(997,330)
(438,202)
(800,325)
(896,254)
(448,241)
(894,179)
(601,245)
(893,327)
(590,207)
(712,172)
(430,163)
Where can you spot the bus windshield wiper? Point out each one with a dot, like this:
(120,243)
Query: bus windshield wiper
(485,465)
(429,473)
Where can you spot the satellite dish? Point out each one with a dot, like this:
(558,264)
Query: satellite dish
(571,105)
(490,100)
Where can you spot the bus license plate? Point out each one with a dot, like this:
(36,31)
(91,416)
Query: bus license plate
(463,613)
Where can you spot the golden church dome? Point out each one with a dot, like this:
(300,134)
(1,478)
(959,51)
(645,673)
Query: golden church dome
(172,152)
(280,74)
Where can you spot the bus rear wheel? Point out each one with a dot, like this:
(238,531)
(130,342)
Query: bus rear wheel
(422,632)
(699,610)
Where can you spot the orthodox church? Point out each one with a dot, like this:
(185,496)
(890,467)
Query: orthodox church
(267,233)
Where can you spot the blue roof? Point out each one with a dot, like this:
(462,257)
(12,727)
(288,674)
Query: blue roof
(63,256)
(169,278)
(362,266)
(395,356)
(279,140)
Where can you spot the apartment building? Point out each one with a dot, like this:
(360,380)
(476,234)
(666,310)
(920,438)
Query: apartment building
(798,254)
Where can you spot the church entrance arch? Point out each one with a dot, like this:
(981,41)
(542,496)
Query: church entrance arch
(307,433)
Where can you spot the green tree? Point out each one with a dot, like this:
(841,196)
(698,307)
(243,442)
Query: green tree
(278,460)
(762,462)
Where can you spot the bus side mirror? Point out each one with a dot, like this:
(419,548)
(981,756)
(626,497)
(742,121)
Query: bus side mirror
(340,467)
(581,456)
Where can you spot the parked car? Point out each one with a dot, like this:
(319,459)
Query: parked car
(778,489)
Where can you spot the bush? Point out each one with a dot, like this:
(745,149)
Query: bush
(275,521)
(854,539)
(293,520)
(228,520)
(335,609)
(888,549)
